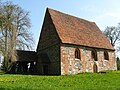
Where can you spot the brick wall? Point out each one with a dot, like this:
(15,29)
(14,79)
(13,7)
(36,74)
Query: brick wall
(49,45)
(48,35)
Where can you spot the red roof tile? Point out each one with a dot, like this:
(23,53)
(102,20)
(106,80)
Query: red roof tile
(74,30)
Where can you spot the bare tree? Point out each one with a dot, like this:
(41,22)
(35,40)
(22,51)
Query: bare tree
(113,34)
(14,34)
(4,26)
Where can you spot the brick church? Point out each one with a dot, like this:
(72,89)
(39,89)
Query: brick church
(68,45)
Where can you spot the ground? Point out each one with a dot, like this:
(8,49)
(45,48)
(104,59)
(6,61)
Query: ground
(83,81)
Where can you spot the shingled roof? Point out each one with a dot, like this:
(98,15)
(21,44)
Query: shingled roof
(74,30)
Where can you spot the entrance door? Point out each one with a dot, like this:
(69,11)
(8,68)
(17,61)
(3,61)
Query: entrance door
(45,69)
(95,68)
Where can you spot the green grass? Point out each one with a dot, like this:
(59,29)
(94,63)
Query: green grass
(84,81)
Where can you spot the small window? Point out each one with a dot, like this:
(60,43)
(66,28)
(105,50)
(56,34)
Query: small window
(106,56)
(77,54)
(94,55)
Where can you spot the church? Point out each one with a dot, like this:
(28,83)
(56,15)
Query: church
(68,45)
(71,45)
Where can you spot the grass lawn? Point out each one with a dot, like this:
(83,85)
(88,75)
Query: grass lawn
(83,81)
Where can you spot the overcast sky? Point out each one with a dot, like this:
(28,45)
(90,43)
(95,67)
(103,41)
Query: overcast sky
(103,12)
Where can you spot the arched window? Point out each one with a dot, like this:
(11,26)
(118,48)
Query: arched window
(77,54)
(106,56)
(94,55)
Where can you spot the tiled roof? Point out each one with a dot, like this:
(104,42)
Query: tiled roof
(74,30)
(26,55)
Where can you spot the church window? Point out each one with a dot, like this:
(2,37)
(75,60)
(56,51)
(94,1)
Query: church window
(94,55)
(106,56)
(77,54)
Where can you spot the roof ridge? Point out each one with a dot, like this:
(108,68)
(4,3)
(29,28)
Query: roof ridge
(50,9)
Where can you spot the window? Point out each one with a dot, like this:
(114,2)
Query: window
(106,56)
(94,55)
(77,54)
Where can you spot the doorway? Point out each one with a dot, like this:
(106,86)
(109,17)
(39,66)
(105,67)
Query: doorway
(95,68)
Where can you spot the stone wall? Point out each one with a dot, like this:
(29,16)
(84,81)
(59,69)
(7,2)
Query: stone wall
(71,65)
(54,64)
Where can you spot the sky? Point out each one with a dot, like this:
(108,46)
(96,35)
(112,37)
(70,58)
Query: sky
(103,12)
